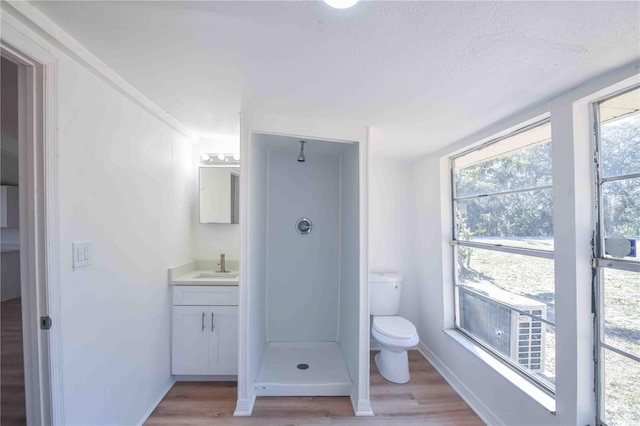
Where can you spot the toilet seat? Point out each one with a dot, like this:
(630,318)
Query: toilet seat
(394,327)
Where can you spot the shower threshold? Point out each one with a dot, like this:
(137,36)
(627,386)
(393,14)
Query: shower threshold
(302,369)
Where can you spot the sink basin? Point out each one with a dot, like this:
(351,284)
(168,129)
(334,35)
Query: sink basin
(217,275)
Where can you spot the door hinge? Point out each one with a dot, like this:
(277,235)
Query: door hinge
(45,322)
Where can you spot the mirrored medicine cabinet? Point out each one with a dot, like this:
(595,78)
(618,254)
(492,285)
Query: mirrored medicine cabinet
(219,194)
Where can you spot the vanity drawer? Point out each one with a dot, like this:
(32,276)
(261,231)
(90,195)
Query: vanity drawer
(193,295)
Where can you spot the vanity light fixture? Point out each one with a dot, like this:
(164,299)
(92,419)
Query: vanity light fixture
(341,4)
(219,159)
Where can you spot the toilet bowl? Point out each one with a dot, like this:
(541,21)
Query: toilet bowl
(395,335)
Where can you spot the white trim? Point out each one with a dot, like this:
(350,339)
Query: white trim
(151,409)
(246,393)
(363,406)
(267,252)
(340,192)
(244,407)
(43,351)
(83,56)
(301,136)
(52,256)
(474,402)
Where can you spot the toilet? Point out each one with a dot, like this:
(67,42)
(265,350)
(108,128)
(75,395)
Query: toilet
(395,334)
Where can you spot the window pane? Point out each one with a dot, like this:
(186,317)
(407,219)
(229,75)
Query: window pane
(523,219)
(511,279)
(620,390)
(621,209)
(622,310)
(525,341)
(620,134)
(525,168)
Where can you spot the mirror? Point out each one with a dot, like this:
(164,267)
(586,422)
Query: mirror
(219,194)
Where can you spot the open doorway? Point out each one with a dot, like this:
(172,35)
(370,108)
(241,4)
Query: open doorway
(12,392)
(31,348)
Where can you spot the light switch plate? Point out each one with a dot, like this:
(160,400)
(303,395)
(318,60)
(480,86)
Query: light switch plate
(82,254)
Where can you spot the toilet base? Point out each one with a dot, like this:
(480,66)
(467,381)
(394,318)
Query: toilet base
(393,366)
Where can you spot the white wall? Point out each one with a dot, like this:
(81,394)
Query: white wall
(496,399)
(392,226)
(303,270)
(212,239)
(253,220)
(124,182)
(349,266)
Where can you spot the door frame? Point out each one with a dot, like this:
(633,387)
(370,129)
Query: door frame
(40,282)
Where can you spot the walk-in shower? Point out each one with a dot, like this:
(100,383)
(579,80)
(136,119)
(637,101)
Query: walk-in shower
(304,268)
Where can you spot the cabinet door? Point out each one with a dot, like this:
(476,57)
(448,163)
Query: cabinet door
(190,342)
(223,344)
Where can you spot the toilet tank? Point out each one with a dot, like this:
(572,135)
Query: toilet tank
(384,293)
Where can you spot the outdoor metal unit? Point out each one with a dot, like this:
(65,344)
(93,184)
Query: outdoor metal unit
(491,314)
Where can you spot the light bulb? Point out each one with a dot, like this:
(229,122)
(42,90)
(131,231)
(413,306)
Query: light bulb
(341,4)
(221,157)
(236,157)
(204,157)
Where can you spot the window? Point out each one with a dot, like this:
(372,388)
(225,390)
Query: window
(617,263)
(503,250)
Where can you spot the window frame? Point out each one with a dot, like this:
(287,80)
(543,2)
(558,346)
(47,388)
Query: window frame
(547,388)
(600,261)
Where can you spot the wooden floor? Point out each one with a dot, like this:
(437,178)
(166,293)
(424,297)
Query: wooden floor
(426,399)
(11,365)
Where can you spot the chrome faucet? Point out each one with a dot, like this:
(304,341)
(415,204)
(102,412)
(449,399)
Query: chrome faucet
(222,264)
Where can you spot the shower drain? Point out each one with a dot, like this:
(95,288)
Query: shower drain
(302,366)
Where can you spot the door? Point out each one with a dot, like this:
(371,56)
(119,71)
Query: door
(223,344)
(191,336)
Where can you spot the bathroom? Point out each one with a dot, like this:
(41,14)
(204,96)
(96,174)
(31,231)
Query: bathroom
(301,302)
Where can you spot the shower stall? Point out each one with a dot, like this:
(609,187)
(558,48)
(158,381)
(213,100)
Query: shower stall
(302,311)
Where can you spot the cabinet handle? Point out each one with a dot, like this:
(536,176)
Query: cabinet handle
(203,321)
(212,321)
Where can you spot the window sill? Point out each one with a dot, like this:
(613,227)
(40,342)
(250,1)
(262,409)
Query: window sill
(538,395)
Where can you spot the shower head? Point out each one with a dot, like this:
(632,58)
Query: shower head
(301,158)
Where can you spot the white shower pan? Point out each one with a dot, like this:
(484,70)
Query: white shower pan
(282,371)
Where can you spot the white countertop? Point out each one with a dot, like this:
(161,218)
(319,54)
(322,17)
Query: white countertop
(189,274)
(192,278)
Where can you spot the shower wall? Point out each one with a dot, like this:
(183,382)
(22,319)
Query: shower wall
(303,271)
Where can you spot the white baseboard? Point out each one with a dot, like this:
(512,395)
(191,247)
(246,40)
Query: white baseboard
(244,407)
(475,403)
(153,406)
(361,407)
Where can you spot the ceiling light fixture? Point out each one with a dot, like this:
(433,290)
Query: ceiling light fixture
(341,4)
(236,157)
(221,157)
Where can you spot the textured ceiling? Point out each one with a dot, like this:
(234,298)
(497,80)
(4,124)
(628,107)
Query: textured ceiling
(423,73)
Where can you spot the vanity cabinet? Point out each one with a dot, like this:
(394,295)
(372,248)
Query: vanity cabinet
(205,336)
